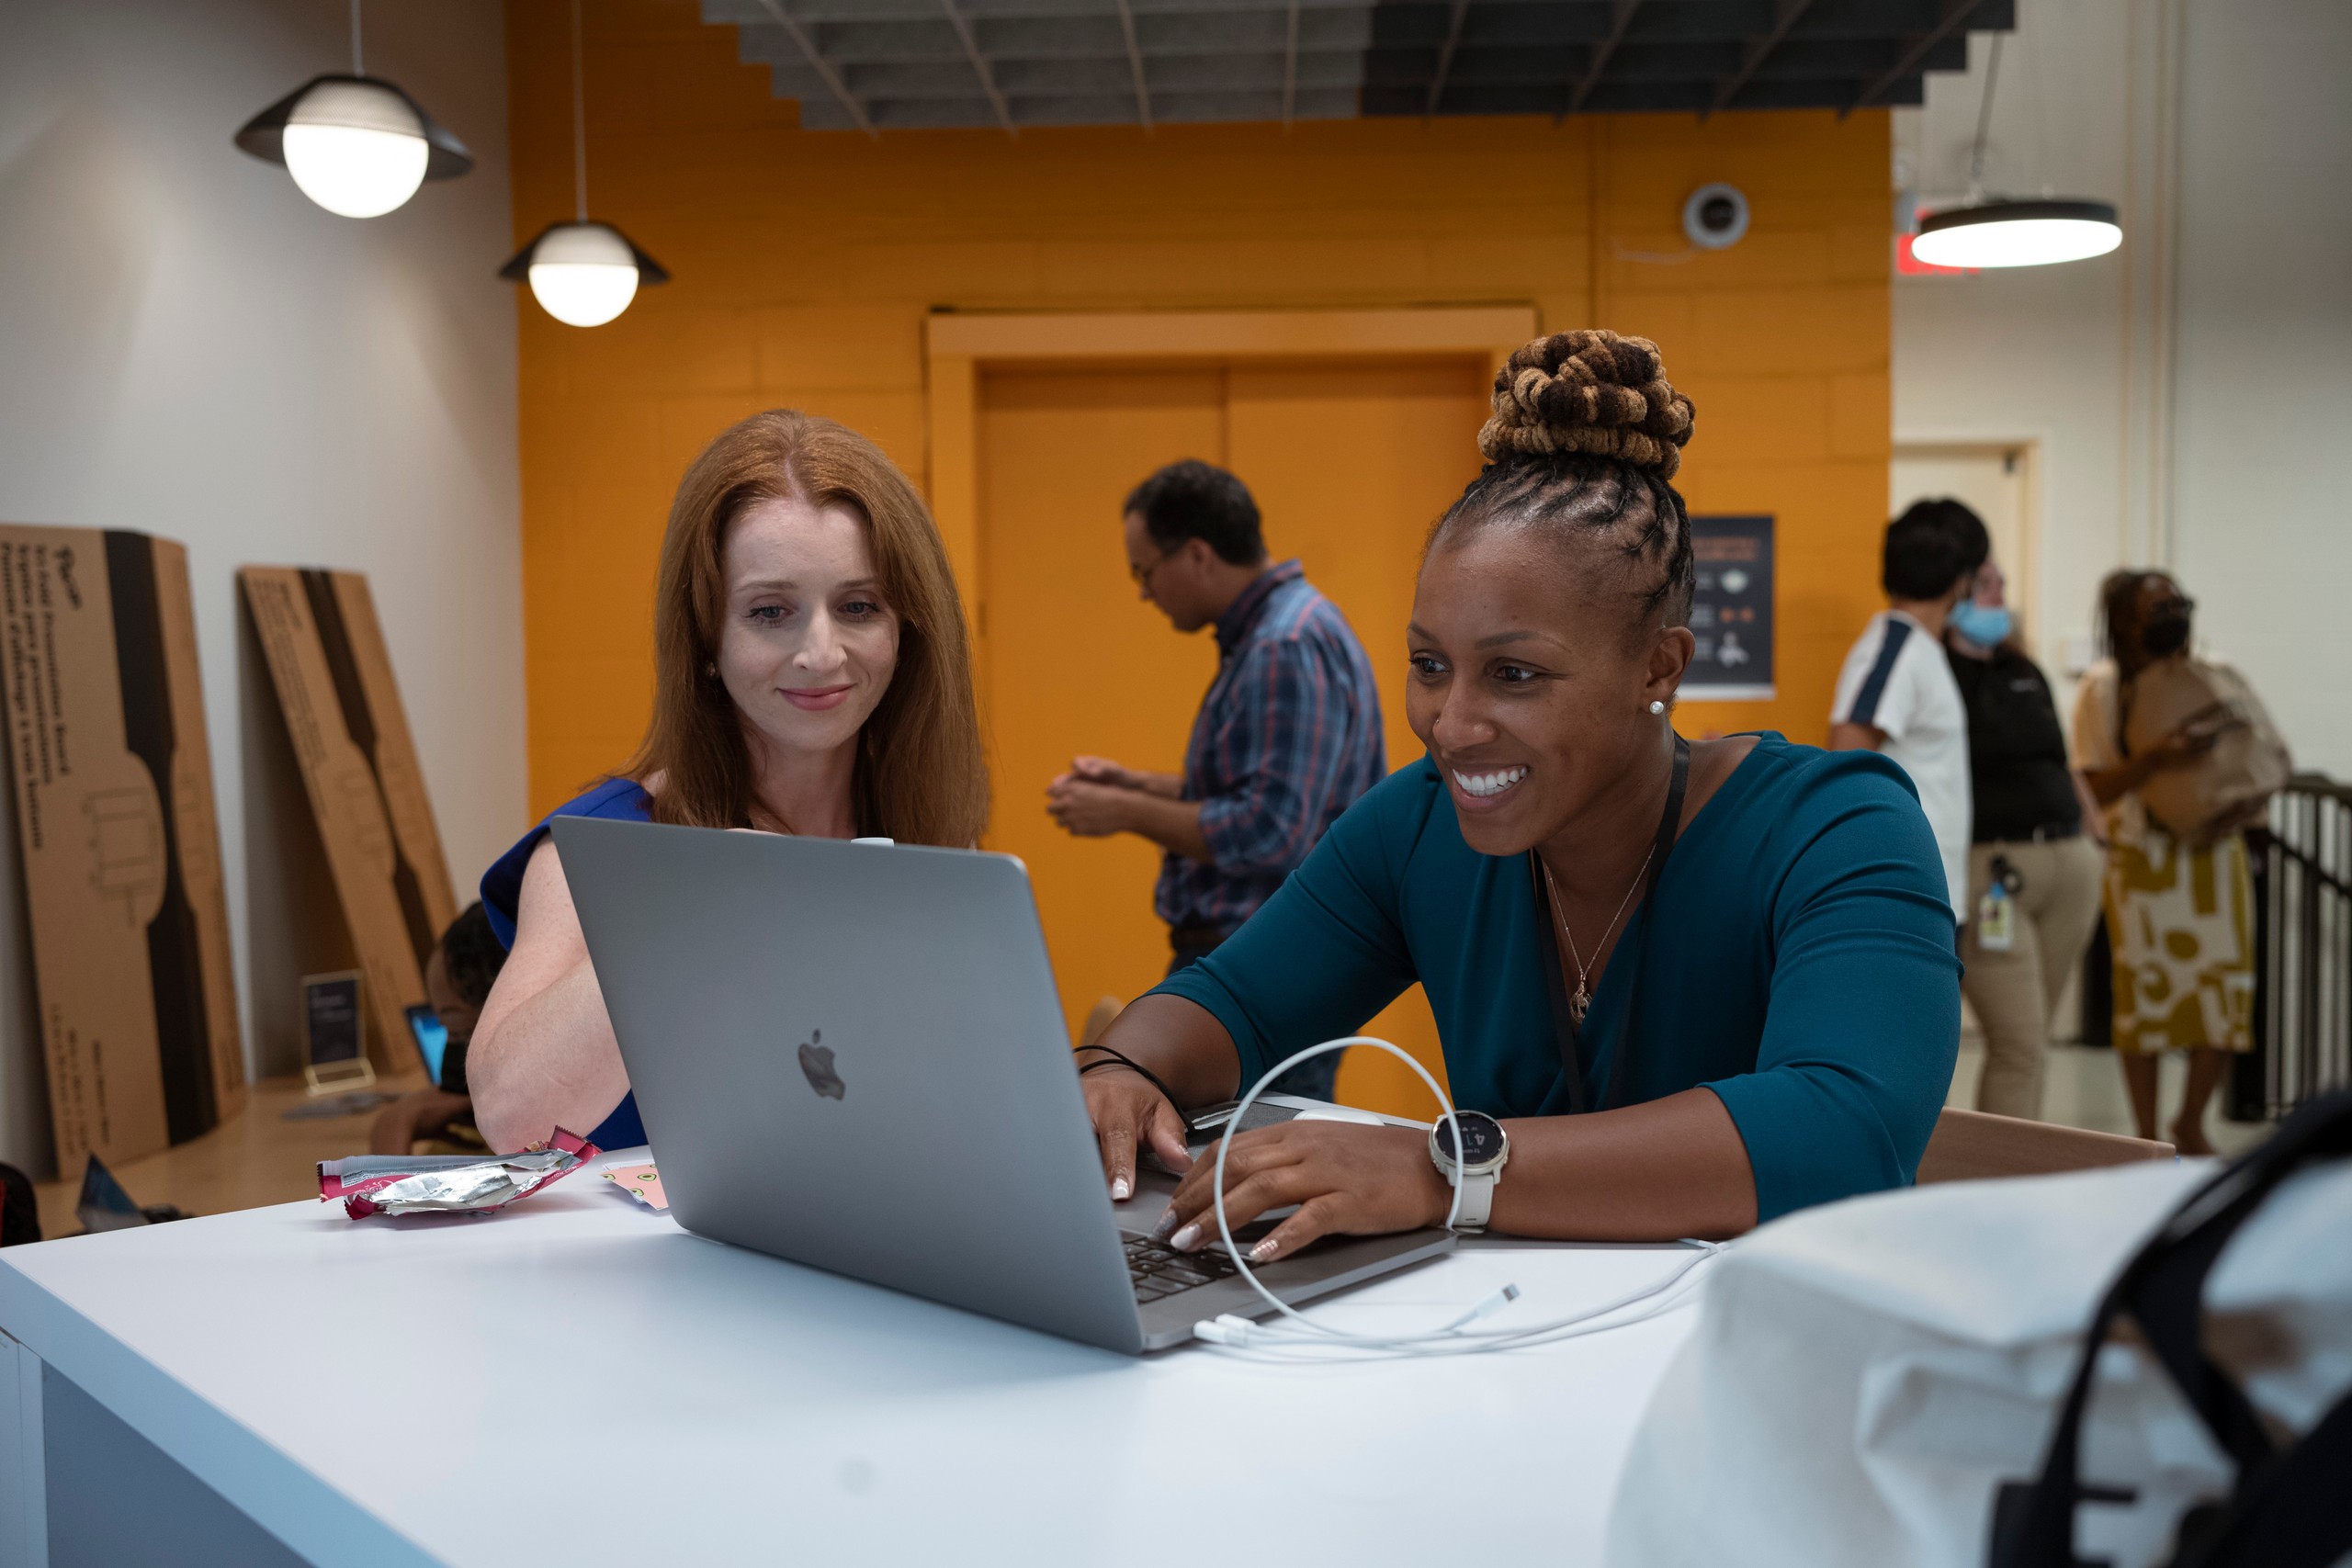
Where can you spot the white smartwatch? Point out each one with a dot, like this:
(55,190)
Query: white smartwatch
(1488,1148)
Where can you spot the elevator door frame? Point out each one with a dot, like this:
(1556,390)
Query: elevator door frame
(959,348)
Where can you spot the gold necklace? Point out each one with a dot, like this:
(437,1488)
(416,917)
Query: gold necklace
(1580,1002)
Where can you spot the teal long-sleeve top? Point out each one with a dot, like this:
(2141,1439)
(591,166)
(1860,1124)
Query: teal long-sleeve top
(1796,959)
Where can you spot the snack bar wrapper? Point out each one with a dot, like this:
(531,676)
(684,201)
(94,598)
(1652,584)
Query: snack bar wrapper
(448,1184)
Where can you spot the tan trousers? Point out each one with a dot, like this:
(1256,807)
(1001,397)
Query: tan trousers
(2015,992)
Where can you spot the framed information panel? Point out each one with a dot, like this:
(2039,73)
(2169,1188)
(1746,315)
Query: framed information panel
(1731,614)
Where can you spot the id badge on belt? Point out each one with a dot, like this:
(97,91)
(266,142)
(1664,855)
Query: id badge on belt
(1996,925)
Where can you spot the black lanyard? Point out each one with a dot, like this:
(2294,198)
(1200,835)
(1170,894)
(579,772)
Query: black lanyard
(1564,1025)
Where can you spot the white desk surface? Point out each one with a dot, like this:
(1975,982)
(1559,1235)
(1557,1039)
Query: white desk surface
(578,1380)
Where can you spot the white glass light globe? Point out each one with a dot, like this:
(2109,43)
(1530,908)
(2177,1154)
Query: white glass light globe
(355,148)
(2018,234)
(583,273)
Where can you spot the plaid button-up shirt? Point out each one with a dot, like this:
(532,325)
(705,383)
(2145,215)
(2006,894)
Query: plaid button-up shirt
(1287,738)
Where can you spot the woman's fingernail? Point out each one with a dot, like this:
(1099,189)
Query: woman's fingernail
(1187,1238)
(1119,1190)
(1167,1224)
(1263,1251)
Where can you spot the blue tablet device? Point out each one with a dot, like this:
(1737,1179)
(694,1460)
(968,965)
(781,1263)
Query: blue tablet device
(432,1038)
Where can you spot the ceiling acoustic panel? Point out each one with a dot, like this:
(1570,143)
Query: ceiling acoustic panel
(876,65)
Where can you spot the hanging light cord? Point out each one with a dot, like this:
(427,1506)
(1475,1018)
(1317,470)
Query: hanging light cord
(359,64)
(579,121)
(1983,123)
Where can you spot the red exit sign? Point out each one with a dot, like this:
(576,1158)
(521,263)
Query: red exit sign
(1909,265)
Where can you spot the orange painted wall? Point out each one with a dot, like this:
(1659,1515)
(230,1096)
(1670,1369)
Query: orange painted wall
(805,265)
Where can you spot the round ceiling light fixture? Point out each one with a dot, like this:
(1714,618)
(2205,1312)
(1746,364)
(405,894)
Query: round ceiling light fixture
(356,145)
(2017,233)
(582,273)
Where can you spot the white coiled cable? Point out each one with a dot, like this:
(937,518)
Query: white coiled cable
(1294,1336)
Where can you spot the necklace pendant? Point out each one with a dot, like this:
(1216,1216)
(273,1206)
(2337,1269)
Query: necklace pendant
(1579,1003)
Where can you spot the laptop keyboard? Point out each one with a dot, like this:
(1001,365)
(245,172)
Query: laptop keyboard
(1158,1270)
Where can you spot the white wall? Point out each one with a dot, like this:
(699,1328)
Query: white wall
(2264,397)
(2187,393)
(189,347)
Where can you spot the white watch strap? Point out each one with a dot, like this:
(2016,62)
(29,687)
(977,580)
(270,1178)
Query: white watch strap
(1478,1199)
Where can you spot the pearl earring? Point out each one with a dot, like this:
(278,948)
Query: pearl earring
(1657,706)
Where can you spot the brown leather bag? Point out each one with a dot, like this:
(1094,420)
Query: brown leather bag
(2230,787)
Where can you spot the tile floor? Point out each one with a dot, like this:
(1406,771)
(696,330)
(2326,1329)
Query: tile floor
(2084,1087)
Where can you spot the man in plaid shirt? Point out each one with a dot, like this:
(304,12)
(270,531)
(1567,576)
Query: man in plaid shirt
(1287,738)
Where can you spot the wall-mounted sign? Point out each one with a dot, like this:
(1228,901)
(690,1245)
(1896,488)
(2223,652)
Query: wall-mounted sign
(1731,614)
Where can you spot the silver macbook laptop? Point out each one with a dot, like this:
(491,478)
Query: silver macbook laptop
(851,1056)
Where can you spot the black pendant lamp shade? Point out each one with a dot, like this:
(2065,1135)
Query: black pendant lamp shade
(584,273)
(518,266)
(2017,233)
(2005,231)
(263,135)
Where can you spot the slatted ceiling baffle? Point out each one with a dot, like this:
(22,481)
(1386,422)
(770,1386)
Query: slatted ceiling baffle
(1621,17)
(903,64)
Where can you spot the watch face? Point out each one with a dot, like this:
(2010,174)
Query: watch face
(1482,1135)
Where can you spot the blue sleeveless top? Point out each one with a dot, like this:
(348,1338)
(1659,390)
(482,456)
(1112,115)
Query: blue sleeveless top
(502,895)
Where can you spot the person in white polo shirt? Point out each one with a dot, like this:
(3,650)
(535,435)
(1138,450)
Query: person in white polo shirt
(1896,693)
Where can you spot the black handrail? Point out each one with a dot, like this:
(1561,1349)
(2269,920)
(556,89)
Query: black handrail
(2312,868)
(2302,952)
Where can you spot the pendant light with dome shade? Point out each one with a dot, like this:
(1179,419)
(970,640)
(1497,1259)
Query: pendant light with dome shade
(356,145)
(2004,232)
(582,273)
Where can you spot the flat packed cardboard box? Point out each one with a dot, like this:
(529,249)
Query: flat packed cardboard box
(121,851)
(333,679)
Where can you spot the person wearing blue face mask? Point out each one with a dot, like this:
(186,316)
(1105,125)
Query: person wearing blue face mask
(2033,877)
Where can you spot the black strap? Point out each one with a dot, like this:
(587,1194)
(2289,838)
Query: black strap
(1669,826)
(1114,1059)
(2290,1513)
(1556,988)
(1565,1036)
(2162,1290)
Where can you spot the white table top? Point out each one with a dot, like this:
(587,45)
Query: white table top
(579,1381)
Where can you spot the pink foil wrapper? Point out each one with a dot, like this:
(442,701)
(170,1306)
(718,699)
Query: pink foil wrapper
(391,1184)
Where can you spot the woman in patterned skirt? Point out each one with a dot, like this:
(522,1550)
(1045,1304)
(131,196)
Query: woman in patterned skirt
(2179,913)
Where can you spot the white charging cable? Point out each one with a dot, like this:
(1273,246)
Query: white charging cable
(1294,1333)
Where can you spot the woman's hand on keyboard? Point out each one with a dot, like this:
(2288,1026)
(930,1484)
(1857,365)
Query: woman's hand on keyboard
(1127,1112)
(1346,1179)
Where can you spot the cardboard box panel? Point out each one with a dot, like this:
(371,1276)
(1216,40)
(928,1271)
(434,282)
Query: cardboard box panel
(194,815)
(113,786)
(334,680)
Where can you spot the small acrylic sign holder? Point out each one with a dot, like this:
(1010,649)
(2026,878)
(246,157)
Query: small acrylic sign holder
(334,1035)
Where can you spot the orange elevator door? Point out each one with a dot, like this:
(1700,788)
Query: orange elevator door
(1350,461)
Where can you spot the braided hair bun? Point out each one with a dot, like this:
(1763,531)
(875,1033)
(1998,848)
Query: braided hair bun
(1591,391)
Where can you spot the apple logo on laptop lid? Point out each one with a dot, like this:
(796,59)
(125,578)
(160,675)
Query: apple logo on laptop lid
(817,1063)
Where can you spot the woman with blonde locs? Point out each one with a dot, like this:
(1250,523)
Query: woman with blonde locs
(1680,988)
(812,674)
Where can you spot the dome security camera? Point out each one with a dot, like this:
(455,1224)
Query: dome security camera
(1716,217)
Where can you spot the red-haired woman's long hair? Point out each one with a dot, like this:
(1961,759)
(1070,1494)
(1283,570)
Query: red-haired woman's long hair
(920,776)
